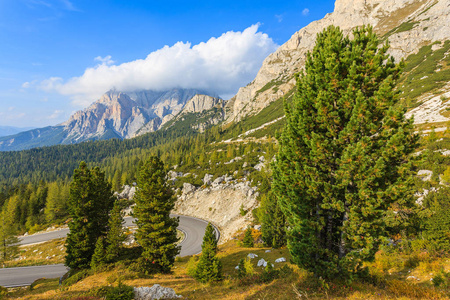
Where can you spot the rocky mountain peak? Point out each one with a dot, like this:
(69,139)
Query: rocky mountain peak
(200,103)
(127,114)
(408,24)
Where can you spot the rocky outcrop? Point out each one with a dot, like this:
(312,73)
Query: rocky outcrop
(114,111)
(408,24)
(220,203)
(208,111)
(154,292)
(432,108)
(201,103)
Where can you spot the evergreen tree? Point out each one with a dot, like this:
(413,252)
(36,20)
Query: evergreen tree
(99,256)
(273,227)
(209,267)
(90,202)
(242,272)
(9,243)
(248,238)
(115,236)
(344,157)
(117,181)
(56,204)
(156,231)
(210,238)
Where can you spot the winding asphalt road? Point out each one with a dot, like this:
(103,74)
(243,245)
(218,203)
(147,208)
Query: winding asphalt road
(193,228)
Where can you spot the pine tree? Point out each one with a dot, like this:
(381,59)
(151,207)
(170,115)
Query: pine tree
(9,243)
(210,238)
(209,267)
(343,159)
(241,268)
(90,202)
(117,181)
(273,227)
(115,236)
(248,238)
(156,231)
(99,256)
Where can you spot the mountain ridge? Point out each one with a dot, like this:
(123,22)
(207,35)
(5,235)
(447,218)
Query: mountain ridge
(407,24)
(116,114)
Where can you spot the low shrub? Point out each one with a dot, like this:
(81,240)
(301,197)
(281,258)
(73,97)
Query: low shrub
(76,276)
(191,266)
(120,292)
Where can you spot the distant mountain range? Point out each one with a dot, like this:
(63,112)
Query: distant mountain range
(115,115)
(9,130)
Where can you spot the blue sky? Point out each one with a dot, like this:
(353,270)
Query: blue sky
(58,56)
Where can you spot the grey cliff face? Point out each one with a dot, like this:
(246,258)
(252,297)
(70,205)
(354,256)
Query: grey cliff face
(429,21)
(126,114)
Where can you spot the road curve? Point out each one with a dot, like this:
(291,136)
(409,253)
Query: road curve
(193,228)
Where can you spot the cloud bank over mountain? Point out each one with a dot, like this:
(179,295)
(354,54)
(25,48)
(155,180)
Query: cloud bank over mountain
(220,65)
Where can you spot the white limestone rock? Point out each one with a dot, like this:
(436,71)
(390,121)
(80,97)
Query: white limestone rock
(155,292)
(261,263)
(425,175)
(207,179)
(188,188)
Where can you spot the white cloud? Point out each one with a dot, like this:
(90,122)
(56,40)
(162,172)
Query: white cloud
(55,114)
(279,18)
(305,12)
(68,5)
(220,65)
(105,60)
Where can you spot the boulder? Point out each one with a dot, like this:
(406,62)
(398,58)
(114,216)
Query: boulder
(188,188)
(262,263)
(281,259)
(154,292)
(207,179)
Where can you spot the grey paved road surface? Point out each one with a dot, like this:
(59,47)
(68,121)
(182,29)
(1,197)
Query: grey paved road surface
(11,277)
(193,228)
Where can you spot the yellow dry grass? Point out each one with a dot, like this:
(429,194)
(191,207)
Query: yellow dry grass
(296,284)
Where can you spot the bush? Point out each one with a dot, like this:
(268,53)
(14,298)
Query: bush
(242,211)
(100,291)
(3,292)
(248,238)
(442,279)
(269,274)
(191,266)
(120,292)
(241,269)
(248,266)
(438,228)
(76,276)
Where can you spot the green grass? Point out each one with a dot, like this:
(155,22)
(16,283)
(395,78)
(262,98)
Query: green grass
(48,253)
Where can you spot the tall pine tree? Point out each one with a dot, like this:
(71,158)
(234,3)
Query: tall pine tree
(273,227)
(156,231)
(210,238)
(209,267)
(344,156)
(9,243)
(90,202)
(115,236)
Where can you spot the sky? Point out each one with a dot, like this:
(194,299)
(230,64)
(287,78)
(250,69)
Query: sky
(59,56)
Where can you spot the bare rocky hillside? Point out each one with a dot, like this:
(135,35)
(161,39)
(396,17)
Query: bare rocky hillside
(407,24)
